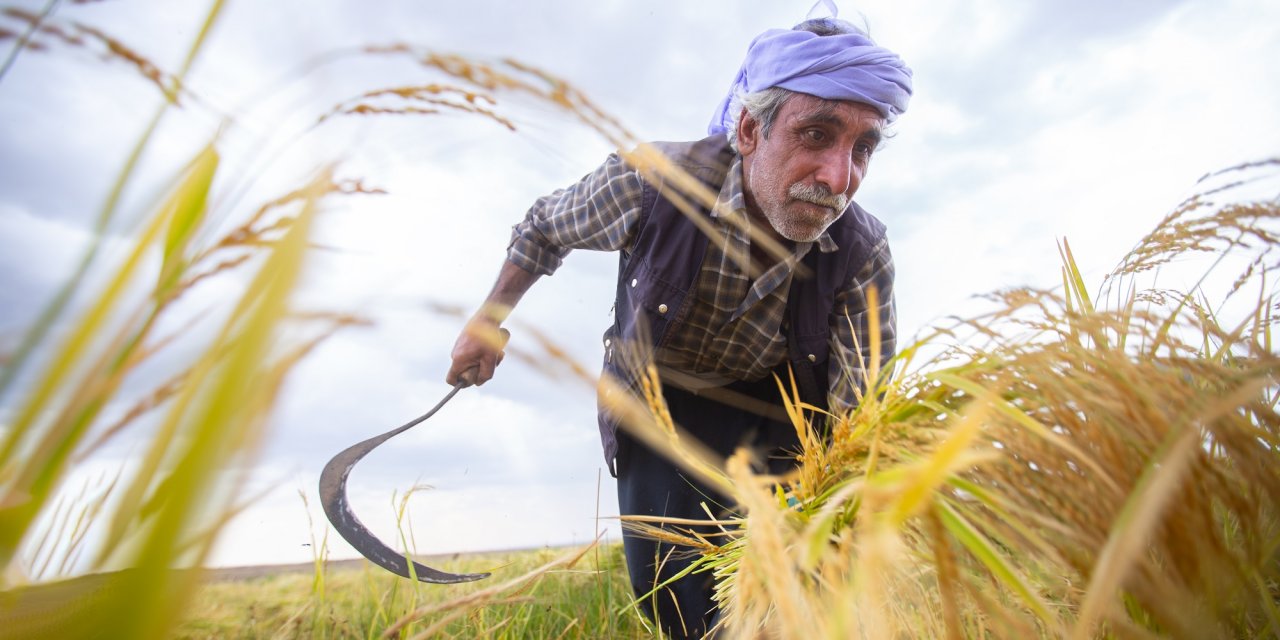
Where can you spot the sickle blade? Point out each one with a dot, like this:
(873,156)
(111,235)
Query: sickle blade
(333,496)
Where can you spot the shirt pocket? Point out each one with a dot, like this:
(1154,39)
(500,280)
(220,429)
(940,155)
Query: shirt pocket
(654,302)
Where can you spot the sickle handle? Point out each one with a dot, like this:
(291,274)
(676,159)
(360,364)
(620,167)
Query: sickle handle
(468,377)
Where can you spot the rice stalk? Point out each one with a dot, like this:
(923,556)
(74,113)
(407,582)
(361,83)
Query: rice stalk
(502,592)
(1068,470)
(509,76)
(156,515)
(24,40)
(35,451)
(77,35)
(39,329)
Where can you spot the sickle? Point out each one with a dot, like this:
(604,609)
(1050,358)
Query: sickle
(333,496)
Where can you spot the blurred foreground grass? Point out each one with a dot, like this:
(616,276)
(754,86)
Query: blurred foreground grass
(200,295)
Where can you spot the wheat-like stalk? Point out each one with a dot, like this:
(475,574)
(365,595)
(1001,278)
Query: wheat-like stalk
(1070,470)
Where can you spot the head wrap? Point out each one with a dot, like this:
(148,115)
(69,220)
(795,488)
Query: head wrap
(836,67)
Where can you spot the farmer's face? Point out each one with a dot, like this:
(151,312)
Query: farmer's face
(802,176)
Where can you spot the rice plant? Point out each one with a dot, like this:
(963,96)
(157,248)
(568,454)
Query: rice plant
(162,513)
(123,553)
(1058,469)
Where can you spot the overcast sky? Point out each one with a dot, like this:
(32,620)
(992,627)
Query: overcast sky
(1031,122)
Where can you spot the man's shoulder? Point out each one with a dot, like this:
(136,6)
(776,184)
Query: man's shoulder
(858,223)
(709,146)
(711,153)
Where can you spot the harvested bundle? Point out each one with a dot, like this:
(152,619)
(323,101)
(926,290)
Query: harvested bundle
(1059,467)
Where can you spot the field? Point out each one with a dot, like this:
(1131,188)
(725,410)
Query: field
(1087,460)
(354,599)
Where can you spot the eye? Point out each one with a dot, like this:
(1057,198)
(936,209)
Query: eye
(815,136)
(863,149)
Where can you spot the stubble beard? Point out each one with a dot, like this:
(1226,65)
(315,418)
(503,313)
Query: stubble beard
(806,228)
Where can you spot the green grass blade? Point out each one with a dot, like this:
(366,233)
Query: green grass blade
(219,420)
(1130,529)
(977,544)
(1077,288)
(37,450)
(40,328)
(190,205)
(1031,424)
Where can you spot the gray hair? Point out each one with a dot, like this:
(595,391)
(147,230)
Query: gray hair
(763,106)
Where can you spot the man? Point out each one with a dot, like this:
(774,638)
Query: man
(789,147)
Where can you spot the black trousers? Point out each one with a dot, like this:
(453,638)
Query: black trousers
(650,484)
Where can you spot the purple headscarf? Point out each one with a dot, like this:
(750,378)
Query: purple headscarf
(835,67)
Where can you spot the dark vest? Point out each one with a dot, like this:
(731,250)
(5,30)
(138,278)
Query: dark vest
(657,273)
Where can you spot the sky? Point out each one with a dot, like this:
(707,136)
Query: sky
(1031,122)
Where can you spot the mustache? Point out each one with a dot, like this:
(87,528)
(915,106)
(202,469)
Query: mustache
(819,195)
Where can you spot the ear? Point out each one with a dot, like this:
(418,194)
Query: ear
(748,133)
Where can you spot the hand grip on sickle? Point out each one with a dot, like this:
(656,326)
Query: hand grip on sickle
(497,340)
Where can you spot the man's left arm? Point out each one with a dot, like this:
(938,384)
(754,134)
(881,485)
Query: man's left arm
(849,364)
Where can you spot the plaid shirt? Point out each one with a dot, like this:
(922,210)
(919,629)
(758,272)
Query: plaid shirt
(735,326)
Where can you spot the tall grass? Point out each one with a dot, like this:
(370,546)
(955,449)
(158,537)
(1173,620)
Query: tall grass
(132,542)
(164,511)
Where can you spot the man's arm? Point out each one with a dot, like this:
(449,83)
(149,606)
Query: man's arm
(599,213)
(478,351)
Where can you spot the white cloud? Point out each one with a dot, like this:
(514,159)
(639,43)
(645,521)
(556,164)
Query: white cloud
(36,255)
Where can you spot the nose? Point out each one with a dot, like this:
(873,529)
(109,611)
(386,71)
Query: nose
(837,171)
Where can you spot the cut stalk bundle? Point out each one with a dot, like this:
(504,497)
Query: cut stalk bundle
(1063,470)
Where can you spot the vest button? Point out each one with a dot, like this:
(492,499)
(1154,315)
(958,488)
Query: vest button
(634,282)
(813,358)
(607,342)
(662,309)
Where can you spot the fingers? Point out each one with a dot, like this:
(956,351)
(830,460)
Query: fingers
(470,377)
(476,354)
(468,371)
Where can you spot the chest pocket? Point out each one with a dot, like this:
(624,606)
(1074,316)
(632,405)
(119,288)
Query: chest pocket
(653,301)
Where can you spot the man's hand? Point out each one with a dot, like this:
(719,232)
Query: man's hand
(477,352)
(479,349)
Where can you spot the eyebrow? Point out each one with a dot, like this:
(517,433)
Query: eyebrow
(820,117)
(827,116)
(874,136)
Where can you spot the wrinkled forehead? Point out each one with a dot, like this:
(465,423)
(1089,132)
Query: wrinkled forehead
(856,117)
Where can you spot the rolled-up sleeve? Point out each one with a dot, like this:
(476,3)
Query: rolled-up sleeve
(851,364)
(600,212)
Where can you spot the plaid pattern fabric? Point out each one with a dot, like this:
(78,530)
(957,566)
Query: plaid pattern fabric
(734,325)
(601,212)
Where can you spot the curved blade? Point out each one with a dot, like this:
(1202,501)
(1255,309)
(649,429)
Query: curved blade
(333,496)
